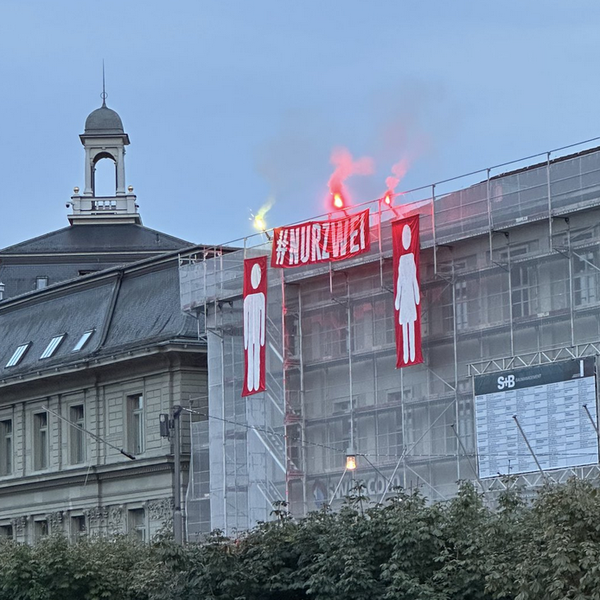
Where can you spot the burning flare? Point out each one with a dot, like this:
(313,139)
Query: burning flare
(346,166)
(398,172)
(258,220)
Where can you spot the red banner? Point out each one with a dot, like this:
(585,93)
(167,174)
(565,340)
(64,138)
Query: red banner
(316,242)
(407,294)
(255,321)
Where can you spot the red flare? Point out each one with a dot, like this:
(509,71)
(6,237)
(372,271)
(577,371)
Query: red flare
(345,166)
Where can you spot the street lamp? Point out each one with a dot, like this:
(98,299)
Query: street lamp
(166,425)
(350,459)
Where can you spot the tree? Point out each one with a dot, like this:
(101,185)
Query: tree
(547,548)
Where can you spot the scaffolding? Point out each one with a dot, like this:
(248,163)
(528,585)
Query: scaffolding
(509,276)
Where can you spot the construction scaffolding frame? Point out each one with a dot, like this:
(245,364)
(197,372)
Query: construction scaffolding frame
(509,276)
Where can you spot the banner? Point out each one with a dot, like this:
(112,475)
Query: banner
(317,242)
(255,321)
(407,294)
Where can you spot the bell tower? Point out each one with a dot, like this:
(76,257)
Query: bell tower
(104,139)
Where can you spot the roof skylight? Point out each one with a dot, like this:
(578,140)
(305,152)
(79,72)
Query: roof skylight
(18,354)
(53,345)
(83,340)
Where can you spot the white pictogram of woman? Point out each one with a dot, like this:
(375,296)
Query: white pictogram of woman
(408,297)
(254,330)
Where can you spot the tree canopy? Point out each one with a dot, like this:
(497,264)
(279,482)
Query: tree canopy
(547,548)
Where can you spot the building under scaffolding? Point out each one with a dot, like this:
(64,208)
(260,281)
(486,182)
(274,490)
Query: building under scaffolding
(509,277)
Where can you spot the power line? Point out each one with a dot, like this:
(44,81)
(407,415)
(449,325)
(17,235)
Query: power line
(96,437)
(366,455)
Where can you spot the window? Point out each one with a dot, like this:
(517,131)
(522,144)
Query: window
(136,523)
(77,436)
(389,434)
(6,447)
(135,424)
(458,303)
(585,280)
(462,316)
(362,326)
(325,334)
(517,251)
(429,431)
(447,309)
(40,529)
(494,295)
(78,527)
(53,346)
(6,532)
(40,441)
(372,324)
(524,296)
(83,340)
(18,354)
(41,283)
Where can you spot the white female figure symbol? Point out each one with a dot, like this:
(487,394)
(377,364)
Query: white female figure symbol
(408,297)
(254,330)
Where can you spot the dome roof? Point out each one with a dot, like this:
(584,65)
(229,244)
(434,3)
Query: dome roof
(103,120)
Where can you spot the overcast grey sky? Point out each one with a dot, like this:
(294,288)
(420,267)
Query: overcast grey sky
(230,102)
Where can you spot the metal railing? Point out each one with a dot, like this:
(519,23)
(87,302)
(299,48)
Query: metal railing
(547,185)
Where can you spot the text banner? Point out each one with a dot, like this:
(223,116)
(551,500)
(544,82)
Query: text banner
(317,242)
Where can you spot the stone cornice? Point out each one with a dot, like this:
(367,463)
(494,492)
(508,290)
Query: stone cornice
(89,474)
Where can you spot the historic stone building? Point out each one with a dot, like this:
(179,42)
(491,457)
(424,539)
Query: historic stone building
(94,349)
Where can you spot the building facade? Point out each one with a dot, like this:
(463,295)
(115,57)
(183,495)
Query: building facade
(94,349)
(510,275)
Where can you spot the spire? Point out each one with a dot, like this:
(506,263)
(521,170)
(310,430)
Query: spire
(104,94)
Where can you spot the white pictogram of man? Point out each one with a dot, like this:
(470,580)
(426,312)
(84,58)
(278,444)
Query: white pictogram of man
(254,329)
(408,297)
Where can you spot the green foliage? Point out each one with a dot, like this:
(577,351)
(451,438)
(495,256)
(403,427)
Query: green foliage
(53,569)
(547,548)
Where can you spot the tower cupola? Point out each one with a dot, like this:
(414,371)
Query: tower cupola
(104,138)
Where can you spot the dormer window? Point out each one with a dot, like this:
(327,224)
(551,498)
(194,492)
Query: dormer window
(53,346)
(18,355)
(83,340)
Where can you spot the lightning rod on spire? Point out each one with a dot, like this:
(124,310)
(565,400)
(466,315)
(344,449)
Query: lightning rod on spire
(104,94)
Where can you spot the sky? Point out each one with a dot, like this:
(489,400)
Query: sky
(233,104)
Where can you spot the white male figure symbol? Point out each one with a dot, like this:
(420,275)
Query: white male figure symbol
(408,297)
(254,330)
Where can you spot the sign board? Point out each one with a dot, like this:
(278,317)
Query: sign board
(548,403)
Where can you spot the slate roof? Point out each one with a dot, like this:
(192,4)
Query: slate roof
(99,238)
(145,297)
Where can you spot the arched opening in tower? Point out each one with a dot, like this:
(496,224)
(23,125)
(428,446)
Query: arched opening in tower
(105,177)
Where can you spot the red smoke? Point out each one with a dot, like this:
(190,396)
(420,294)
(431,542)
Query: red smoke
(345,166)
(399,171)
